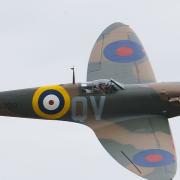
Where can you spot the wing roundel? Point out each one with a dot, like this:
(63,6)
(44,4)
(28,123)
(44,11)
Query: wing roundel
(119,54)
(142,144)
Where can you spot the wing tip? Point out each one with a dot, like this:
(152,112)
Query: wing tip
(110,28)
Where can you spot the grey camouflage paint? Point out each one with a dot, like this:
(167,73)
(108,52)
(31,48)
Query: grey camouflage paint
(128,121)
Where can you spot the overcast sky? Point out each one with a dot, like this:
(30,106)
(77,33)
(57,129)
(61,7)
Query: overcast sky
(39,41)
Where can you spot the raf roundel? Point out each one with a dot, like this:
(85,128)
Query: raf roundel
(124,51)
(153,158)
(51,102)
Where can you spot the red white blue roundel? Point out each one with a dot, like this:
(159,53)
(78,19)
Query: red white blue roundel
(124,51)
(51,102)
(153,158)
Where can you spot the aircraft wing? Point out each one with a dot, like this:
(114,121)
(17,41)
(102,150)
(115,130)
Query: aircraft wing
(142,144)
(118,54)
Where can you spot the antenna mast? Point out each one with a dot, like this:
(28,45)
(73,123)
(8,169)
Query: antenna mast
(73,75)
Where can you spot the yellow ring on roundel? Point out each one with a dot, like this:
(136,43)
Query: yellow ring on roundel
(62,91)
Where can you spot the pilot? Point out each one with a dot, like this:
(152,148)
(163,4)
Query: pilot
(103,87)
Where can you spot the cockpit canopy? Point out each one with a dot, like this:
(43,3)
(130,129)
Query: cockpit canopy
(102,86)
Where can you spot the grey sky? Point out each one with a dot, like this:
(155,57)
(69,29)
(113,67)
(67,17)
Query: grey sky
(39,41)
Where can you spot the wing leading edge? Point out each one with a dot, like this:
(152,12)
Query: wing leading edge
(144,145)
(119,54)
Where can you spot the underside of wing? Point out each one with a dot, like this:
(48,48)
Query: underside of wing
(143,145)
(118,54)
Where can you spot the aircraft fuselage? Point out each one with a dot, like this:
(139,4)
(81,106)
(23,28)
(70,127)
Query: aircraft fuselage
(78,105)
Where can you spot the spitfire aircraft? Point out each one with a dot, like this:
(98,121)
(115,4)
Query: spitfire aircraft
(121,101)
